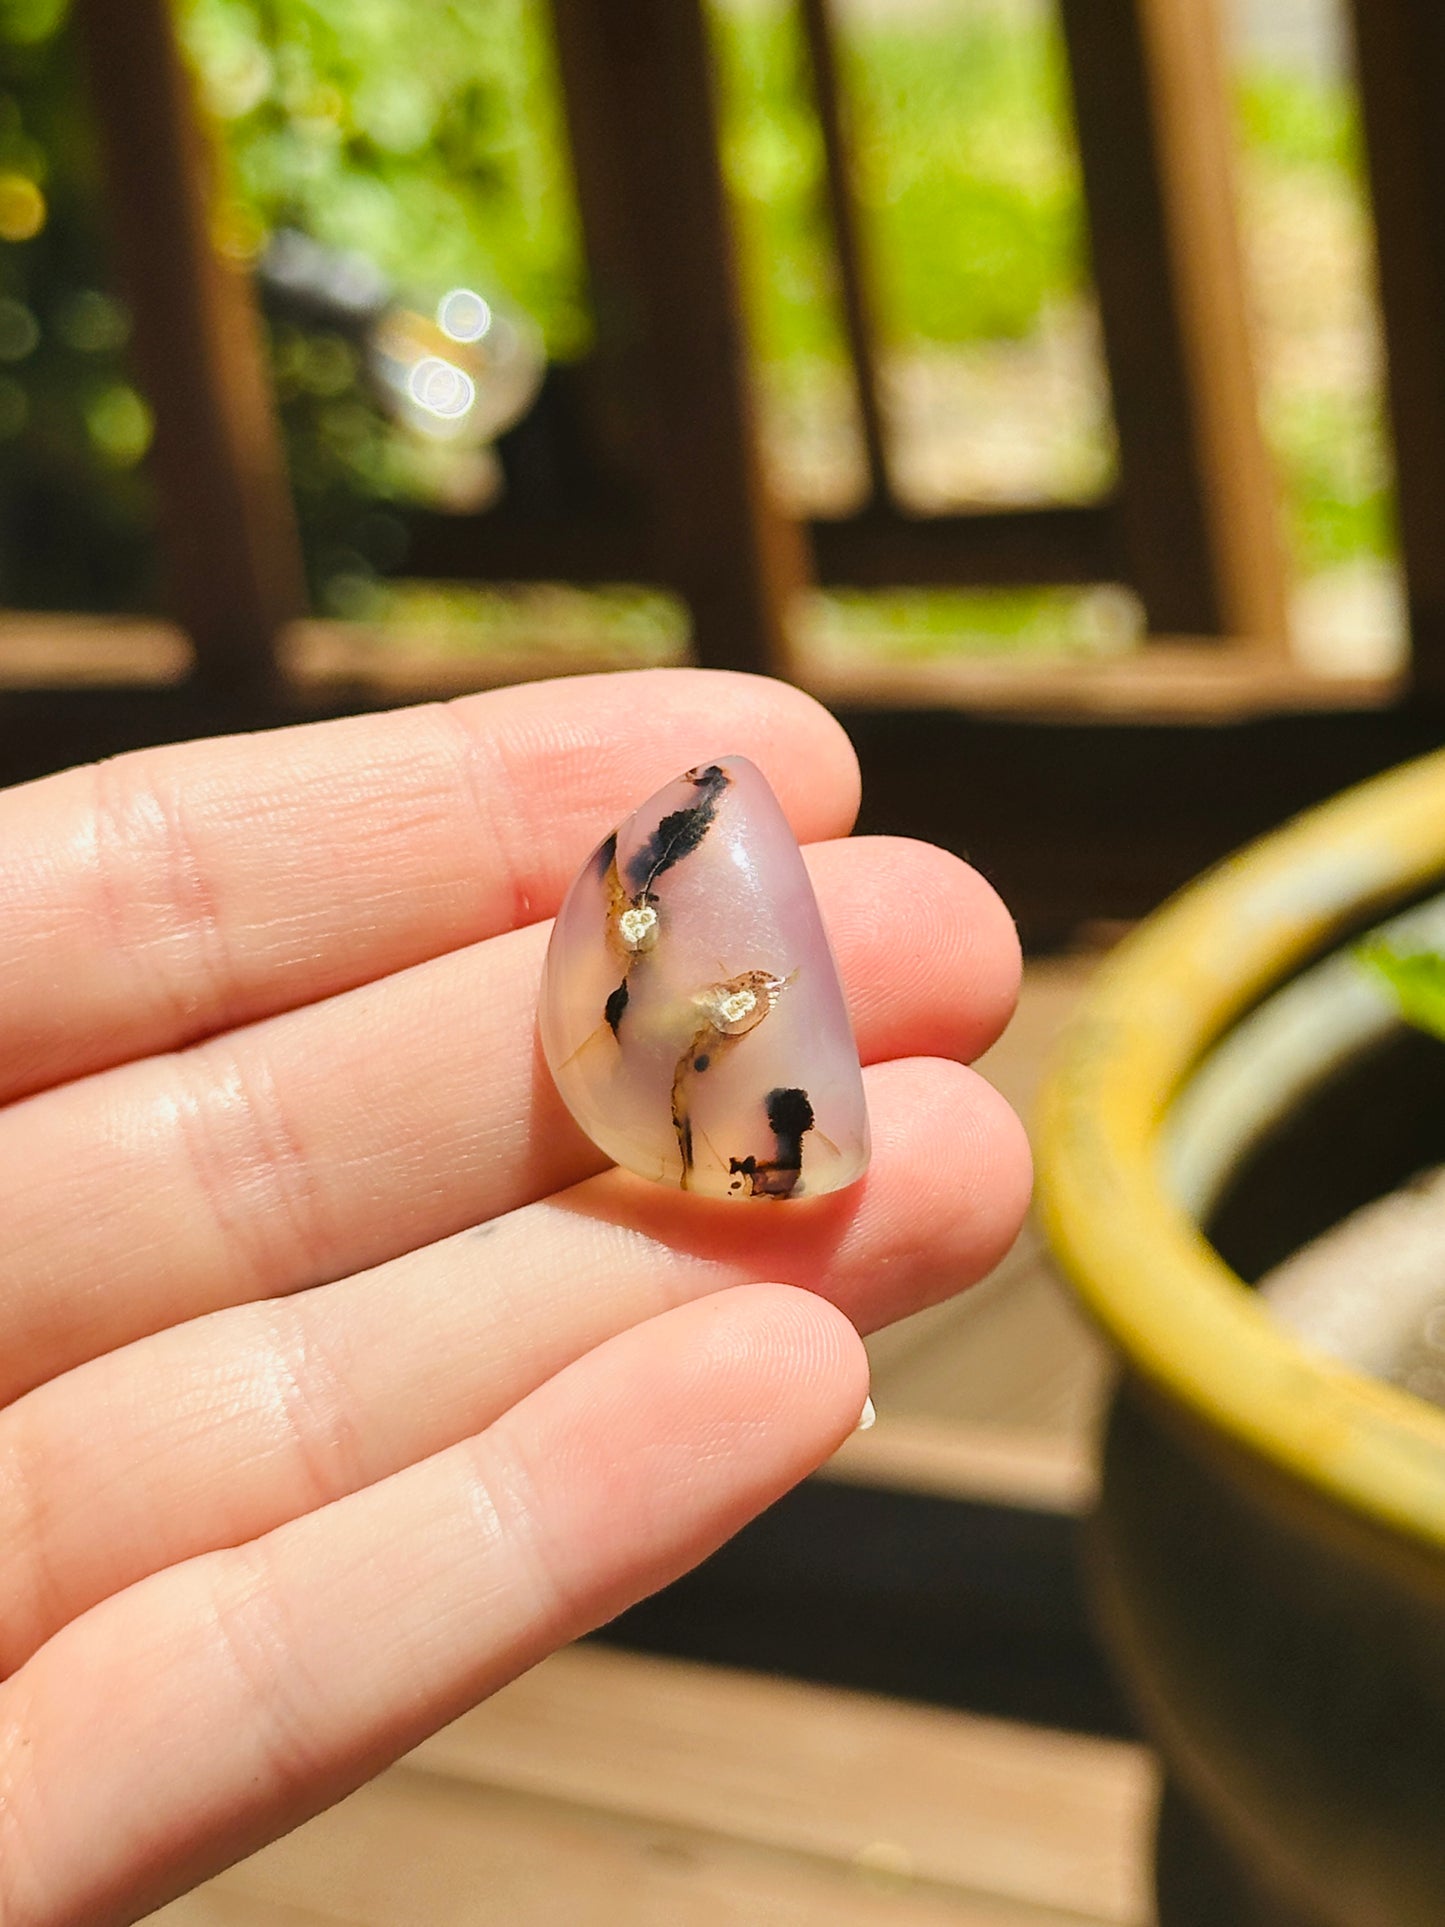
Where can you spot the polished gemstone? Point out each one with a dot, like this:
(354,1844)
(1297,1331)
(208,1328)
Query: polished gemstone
(691,1011)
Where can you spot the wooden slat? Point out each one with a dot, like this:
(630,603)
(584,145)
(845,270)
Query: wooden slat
(1178,683)
(616,544)
(327,661)
(980,1805)
(45,651)
(414,1852)
(877,549)
(1199,502)
(986,548)
(418,1852)
(226,517)
(1168,681)
(1400,50)
(642,120)
(854,276)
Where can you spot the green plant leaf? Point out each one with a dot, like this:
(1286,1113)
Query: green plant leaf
(1415,977)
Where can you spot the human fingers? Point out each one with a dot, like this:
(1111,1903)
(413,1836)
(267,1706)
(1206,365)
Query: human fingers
(329,1139)
(220,1429)
(188,1720)
(163,895)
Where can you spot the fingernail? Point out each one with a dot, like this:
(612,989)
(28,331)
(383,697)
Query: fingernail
(867,1417)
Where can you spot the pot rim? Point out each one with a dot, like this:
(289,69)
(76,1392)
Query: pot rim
(1142,1267)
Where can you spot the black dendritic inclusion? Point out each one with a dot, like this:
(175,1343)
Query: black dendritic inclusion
(615,1006)
(680,831)
(790,1115)
(676,836)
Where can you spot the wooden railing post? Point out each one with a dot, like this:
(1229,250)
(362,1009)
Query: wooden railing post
(1198,498)
(1400,53)
(227,522)
(854,275)
(637,80)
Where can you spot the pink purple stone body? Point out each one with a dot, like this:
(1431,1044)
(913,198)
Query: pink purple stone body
(691,1012)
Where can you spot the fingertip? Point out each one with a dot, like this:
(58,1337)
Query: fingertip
(999,1165)
(773,1354)
(691,715)
(977,942)
(833,747)
(957,1170)
(930,953)
(681,1429)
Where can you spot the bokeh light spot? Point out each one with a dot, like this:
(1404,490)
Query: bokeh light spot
(29,22)
(92,323)
(464,315)
(22,207)
(120,425)
(441,388)
(238,232)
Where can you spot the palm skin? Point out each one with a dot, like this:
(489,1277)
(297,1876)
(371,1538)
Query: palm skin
(338,1381)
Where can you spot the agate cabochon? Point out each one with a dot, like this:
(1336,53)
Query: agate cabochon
(691,1013)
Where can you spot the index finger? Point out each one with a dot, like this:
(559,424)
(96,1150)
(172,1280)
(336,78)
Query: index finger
(153,899)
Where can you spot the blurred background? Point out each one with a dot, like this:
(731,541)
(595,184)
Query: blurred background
(418,159)
(1057,389)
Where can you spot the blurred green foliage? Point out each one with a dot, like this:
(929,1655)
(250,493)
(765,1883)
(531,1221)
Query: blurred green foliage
(421,133)
(1330,447)
(1298,121)
(1416,980)
(424,137)
(968,171)
(73,509)
(1304,136)
(964,170)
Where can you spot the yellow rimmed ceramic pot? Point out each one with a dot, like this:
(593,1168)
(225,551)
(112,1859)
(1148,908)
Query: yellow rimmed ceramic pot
(1269,1551)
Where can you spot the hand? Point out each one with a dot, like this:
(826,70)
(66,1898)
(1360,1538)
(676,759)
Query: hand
(340,1383)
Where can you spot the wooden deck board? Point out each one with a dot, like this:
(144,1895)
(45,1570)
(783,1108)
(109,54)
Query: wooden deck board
(981,1805)
(611,1789)
(406,1852)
